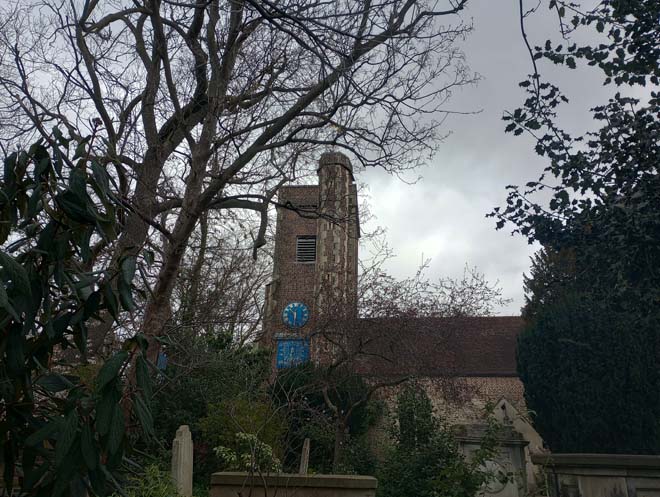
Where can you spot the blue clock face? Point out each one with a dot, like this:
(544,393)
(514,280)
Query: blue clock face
(295,315)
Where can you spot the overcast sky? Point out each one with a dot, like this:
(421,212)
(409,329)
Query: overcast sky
(442,216)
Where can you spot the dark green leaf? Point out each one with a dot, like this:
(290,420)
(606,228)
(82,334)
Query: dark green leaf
(8,460)
(116,433)
(45,431)
(143,378)
(110,369)
(80,335)
(16,274)
(31,477)
(104,410)
(101,178)
(81,149)
(149,256)
(533,124)
(78,487)
(88,447)
(4,303)
(54,382)
(98,480)
(128,269)
(92,305)
(60,138)
(110,300)
(75,207)
(144,415)
(66,437)
(126,295)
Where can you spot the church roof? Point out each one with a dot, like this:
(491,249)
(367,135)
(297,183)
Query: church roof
(463,346)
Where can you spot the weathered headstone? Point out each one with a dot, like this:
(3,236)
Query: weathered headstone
(182,461)
(304,458)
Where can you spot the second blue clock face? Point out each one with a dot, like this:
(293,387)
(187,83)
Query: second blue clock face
(295,315)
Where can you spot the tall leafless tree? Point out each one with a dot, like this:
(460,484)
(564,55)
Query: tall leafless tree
(210,105)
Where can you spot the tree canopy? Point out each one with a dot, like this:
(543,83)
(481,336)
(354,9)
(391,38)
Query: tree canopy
(209,106)
(593,296)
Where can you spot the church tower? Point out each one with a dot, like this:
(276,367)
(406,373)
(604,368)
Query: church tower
(315,261)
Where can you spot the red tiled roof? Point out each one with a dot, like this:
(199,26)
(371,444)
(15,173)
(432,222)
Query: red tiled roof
(467,346)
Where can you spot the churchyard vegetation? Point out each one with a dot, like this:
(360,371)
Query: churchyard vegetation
(593,305)
(168,128)
(65,422)
(425,460)
(130,297)
(589,366)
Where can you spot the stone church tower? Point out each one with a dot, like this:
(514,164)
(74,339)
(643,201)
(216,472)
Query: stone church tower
(315,261)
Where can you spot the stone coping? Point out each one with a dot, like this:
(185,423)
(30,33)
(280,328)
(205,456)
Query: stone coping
(475,432)
(618,461)
(293,480)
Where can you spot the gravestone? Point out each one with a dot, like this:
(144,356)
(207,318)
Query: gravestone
(507,468)
(182,461)
(304,458)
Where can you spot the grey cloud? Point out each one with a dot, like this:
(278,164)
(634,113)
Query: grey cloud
(443,215)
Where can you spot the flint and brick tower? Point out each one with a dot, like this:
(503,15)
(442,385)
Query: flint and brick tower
(337,235)
(315,260)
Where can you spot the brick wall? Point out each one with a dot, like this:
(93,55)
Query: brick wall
(292,281)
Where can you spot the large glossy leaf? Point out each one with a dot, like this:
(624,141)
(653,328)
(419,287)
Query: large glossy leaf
(92,305)
(144,415)
(128,268)
(110,369)
(143,378)
(110,299)
(101,179)
(4,303)
(60,138)
(34,475)
(105,409)
(116,433)
(75,207)
(15,351)
(8,458)
(81,148)
(126,295)
(88,447)
(15,273)
(66,437)
(54,382)
(45,432)
(80,335)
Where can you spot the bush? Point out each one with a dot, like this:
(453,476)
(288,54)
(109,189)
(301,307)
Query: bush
(151,483)
(591,376)
(228,419)
(425,460)
(298,391)
(200,383)
(249,454)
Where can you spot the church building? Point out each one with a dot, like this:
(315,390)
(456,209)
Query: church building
(464,363)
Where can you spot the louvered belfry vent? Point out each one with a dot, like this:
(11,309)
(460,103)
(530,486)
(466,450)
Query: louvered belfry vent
(306,248)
